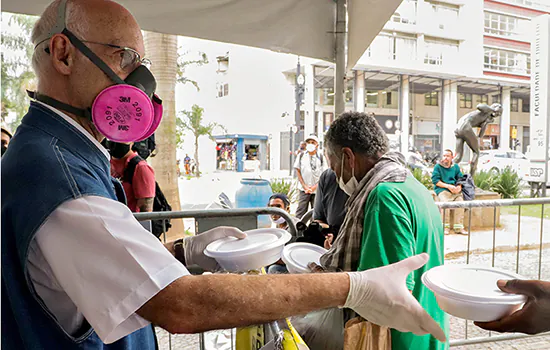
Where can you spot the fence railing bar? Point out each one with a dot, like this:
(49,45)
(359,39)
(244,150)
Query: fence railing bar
(494,235)
(492,203)
(495,338)
(541,238)
(218,213)
(519,238)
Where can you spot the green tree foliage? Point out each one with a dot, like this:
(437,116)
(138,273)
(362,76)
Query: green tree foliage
(16,67)
(193,121)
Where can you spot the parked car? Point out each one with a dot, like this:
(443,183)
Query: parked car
(496,160)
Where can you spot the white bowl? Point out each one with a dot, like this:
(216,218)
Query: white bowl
(470,292)
(297,256)
(261,247)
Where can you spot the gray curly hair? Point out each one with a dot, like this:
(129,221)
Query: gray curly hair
(358,131)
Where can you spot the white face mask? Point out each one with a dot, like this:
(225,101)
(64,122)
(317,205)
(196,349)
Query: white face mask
(350,186)
(279,221)
(310,147)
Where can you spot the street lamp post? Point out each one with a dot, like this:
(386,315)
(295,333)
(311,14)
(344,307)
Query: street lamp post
(299,96)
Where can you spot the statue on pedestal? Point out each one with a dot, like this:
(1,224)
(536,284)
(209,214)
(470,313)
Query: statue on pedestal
(464,132)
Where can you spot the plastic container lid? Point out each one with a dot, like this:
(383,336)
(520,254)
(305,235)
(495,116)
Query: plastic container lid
(297,256)
(256,242)
(471,283)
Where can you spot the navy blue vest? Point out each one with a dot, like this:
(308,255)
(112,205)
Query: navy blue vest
(47,163)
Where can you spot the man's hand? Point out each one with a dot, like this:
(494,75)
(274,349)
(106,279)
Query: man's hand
(328,241)
(454,189)
(533,318)
(307,189)
(195,245)
(381,296)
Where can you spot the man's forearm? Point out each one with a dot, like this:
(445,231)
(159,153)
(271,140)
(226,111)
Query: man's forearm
(443,185)
(145,205)
(194,304)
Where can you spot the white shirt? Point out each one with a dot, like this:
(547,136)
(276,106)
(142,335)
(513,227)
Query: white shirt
(311,168)
(92,260)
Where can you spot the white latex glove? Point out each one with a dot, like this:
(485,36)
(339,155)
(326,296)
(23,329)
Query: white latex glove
(194,246)
(381,296)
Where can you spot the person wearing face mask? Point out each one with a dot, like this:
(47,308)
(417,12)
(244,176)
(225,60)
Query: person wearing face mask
(445,177)
(78,270)
(140,188)
(309,166)
(6,138)
(390,215)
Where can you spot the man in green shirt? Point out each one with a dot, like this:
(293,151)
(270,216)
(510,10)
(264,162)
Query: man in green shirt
(390,215)
(444,177)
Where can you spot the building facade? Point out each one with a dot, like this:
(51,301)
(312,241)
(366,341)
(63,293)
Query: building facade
(433,62)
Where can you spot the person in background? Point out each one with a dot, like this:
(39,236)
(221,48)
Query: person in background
(390,215)
(444,177)
(6,138)
(330,205)
(309,166)
(140,188)
(187,164)
(281,201)
(300,149)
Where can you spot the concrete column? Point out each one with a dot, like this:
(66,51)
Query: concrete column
(404,111)
(359,91)
(309,101)
(449,117)
(504,142)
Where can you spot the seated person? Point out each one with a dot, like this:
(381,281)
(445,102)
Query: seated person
(444,177)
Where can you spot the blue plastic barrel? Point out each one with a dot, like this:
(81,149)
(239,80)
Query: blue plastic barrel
(254,193)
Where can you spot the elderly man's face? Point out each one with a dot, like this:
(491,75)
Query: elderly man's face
(108,24)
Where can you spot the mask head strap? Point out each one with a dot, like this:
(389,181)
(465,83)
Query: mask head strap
(61,28)
(85,113)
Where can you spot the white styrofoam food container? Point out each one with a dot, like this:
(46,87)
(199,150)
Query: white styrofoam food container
(470,292)
(260,248)
(297,256)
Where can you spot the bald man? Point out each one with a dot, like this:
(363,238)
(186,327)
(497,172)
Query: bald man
(78,271)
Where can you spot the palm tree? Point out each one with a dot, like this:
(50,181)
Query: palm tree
(162,50)
(17,73)
(192,121)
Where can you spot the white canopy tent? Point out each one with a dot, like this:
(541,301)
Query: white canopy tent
(303,27)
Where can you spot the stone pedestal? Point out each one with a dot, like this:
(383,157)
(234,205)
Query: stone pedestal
(482,218)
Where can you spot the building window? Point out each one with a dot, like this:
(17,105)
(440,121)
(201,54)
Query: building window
(507,61)
(388,98)
(431,99)
(439,52)
(372,99)
(525,106)
(496,98)
(223,89)
(223,63)
(393,47)
(484,99)
(514,104)
(465,100)
(504,25)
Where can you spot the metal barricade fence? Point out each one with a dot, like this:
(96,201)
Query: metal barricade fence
(460,331)
(244,219)
(506,255)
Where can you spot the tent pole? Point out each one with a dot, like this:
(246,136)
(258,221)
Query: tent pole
(340,70)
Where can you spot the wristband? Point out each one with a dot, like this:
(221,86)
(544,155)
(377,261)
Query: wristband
(179,251)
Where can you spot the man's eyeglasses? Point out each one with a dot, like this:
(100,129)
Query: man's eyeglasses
(129,58)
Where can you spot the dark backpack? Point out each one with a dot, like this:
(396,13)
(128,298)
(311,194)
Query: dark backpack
(159,203)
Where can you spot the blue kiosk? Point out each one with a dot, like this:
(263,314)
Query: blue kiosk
(241,152)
